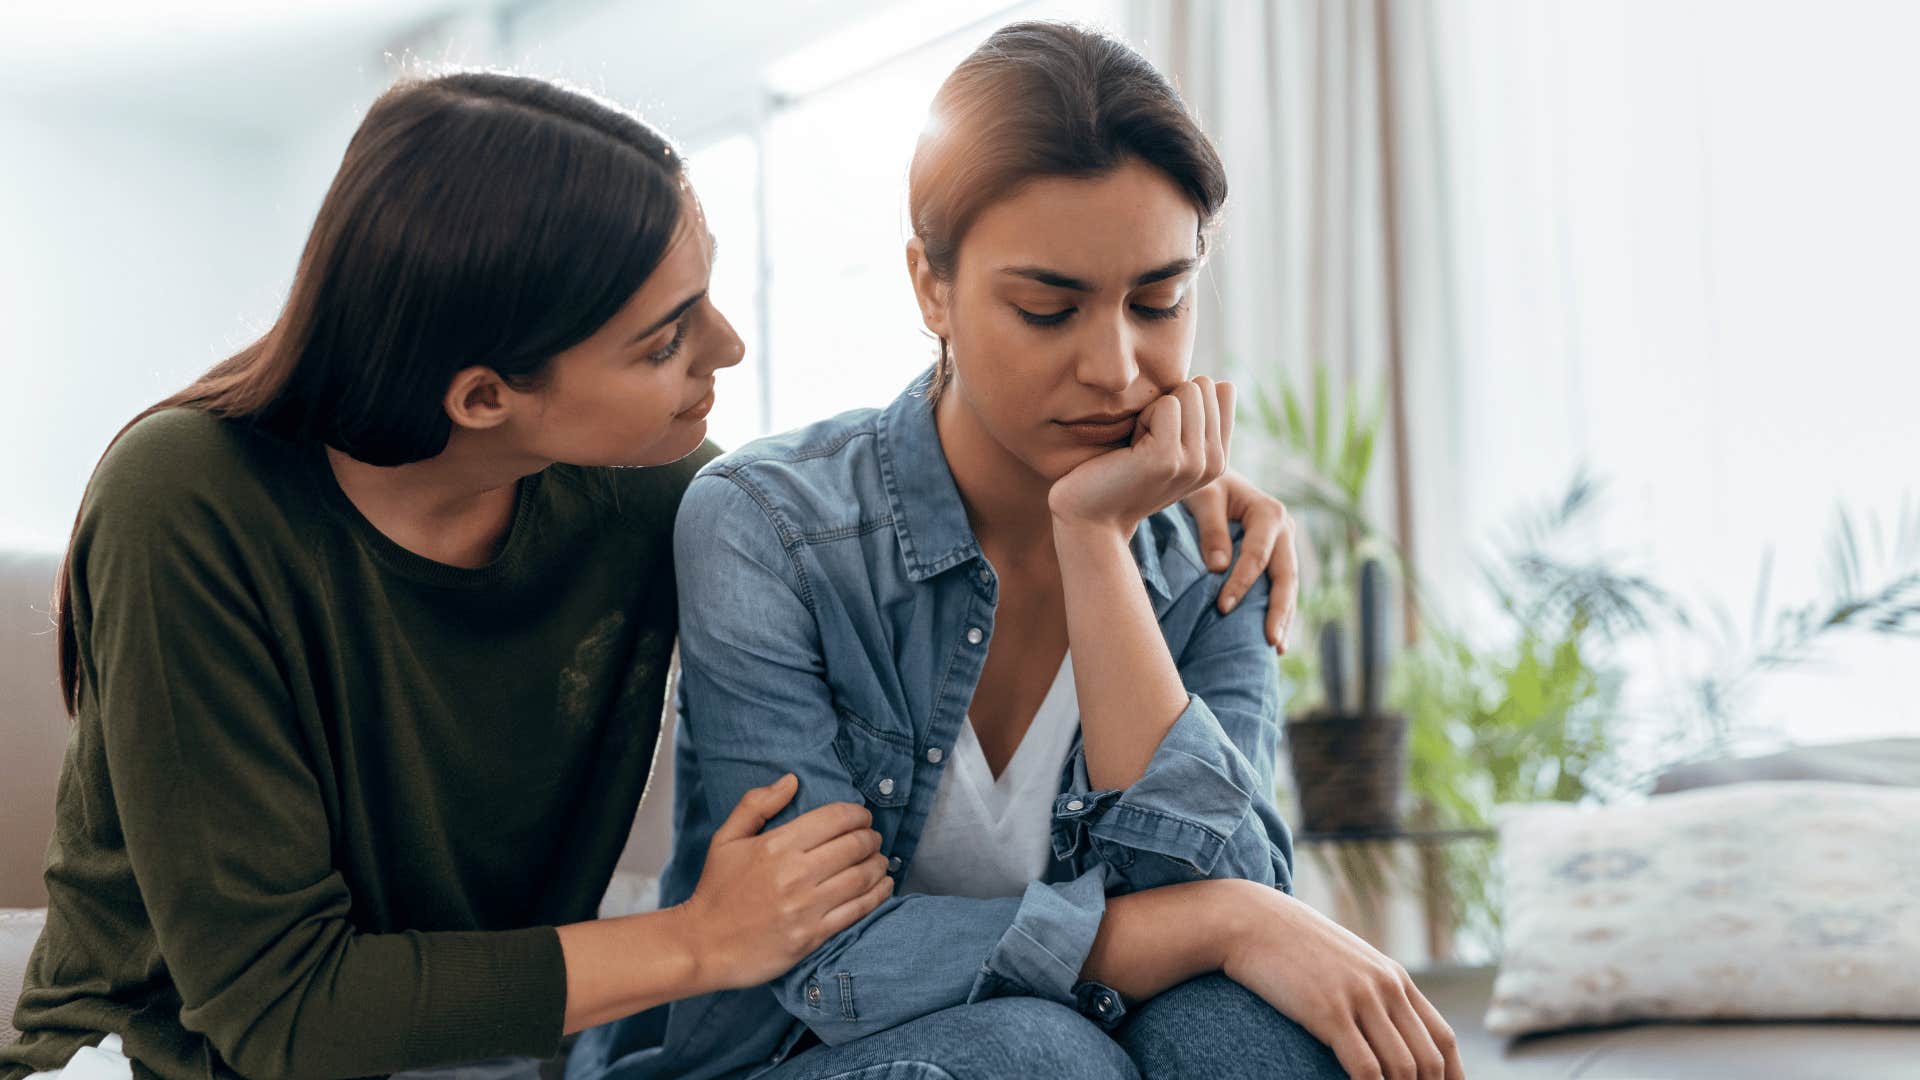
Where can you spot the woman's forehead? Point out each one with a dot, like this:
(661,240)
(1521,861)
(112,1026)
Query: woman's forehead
(1105,229)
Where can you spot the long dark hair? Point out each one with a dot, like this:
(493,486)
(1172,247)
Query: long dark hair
(1041,99)
(477,219)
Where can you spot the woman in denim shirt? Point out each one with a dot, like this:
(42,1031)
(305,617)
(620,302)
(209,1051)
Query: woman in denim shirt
(862,595)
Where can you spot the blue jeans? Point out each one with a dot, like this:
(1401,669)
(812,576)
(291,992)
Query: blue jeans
(1209,1027)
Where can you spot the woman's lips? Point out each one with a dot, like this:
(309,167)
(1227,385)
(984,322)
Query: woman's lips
(1099,432)
(700,408)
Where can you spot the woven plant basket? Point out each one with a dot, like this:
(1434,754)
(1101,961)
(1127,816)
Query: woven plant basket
(1349,769)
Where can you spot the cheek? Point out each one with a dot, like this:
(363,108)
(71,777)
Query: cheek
(1005,360)
(1166,353)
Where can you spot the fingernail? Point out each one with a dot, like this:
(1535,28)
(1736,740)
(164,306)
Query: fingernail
(1218,559)
(1228,603)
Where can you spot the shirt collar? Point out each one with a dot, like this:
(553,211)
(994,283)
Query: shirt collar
(931,521)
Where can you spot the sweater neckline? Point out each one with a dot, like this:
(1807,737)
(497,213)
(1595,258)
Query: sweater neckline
(418,567)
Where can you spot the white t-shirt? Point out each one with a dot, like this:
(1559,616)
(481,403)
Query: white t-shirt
(990,836)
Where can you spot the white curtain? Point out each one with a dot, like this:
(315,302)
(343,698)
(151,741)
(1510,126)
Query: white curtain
(1335,245)
(1672,241)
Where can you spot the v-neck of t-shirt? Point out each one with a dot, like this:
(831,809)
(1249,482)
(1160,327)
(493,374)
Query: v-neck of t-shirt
(1041,745)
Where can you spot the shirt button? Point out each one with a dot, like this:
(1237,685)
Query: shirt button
(886,786)
(974,635)
(893,864)
(813,995)
(934,754)
(986,576)
(1105,1004)
(1075,804)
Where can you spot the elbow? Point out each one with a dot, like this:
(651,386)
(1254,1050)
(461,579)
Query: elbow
(246,1046)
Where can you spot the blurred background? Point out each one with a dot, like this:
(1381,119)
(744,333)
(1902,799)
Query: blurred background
(1588,325)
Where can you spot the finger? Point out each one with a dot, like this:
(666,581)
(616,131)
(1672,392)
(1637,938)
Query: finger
(1440,1031)
(1209,508)
(850,883)
(1260,530)
(1283,574)
(1158,431)
(1225,392)
(817,826)
(1429,1063)
(1193,427)
(1355,1056)
(847,849)
(755,809)
(1216,454)
(856,909)
(1383,1035)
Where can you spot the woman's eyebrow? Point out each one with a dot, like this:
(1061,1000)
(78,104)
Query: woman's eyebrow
(1170,270)
(1058,280)
(678,310)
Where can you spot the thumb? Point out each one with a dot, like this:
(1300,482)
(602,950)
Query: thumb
(755,809)
(1159,424)
(1209,509)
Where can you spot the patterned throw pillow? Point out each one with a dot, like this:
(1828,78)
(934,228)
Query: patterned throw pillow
(1768,900)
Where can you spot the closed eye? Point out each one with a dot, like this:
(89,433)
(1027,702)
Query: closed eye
(672,348)
(1146,311)
(1052,318)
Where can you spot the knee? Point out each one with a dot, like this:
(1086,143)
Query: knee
(1213,1026)
(1044,1038)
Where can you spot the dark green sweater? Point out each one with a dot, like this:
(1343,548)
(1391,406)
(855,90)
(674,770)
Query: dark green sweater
(326,800)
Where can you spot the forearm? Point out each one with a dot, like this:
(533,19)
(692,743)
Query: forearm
(1128,687)
(1155,940)
(621,966)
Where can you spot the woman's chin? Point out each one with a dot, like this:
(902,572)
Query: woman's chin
(682,439)
(1063,459)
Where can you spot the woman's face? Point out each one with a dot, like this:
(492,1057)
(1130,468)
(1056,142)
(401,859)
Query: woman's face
(1070,310)
(637,392)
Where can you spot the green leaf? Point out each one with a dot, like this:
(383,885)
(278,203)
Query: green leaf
(1297,434)
(1269,416)
(1322,419)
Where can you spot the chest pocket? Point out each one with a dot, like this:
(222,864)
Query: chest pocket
(881,765)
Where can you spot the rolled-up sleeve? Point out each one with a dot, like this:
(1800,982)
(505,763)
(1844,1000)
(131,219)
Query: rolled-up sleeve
(1204,806)
(756,705)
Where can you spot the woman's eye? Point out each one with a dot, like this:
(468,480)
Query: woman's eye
(1147,311)
(1051,318)
(672,348)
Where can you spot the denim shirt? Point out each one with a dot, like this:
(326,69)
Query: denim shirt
(835,613)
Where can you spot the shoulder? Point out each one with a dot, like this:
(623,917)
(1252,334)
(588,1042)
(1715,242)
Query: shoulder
(1191,588)
(821,478)
(188,462)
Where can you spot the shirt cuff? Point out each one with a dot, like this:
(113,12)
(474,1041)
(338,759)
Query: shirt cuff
(1042,952)
(1196,792)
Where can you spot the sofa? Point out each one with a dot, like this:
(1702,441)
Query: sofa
(33,734)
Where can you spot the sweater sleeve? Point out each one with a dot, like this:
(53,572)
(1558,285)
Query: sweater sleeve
(226,824)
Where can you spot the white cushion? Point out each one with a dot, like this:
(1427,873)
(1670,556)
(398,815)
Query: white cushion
(1767,900)
(19,929)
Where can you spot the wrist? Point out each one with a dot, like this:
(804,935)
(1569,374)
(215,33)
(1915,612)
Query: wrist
(1070,527)
(700,961)
(1235,910)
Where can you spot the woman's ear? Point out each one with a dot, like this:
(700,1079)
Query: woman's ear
(477,399)
(927,288)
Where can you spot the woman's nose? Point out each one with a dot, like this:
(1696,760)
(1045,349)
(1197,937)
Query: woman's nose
(1106,361)
(728,349)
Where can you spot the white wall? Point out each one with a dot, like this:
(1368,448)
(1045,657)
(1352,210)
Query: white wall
(155,192)
(160,167)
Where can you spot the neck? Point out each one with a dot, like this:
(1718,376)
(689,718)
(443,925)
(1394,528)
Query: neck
(1006,500)
(454,507)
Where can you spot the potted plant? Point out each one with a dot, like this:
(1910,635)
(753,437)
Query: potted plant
(1348,751)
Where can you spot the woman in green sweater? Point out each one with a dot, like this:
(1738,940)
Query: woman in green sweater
(366,635)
